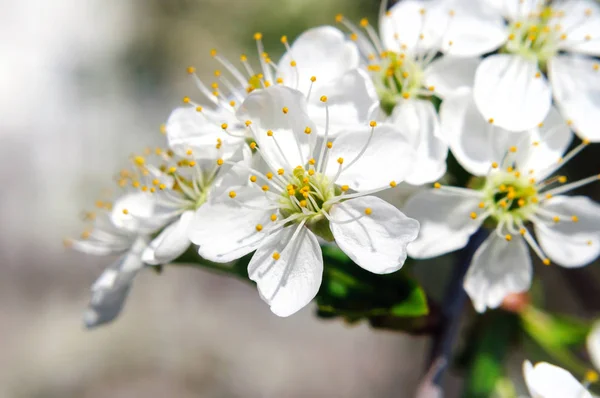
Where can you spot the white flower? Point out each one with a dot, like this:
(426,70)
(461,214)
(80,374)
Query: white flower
(516,191)
(405,73)
(593,345)
(122,228)
(549,381)
(511,88)
(320,60)
(307,193)
(182,185)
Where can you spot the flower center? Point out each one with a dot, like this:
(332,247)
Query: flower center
(398,77)
(509,197)
(534,38)
(307,192)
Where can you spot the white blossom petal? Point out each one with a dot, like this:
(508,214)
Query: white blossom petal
(593,344)
(289,283)
(350,99)
(225,229)
(445,218)
(265,109)
(498,268)
(388,157)
(548,381)
(449,74)
(576,85)
(112,287)
(568,243)
(509,91)
(403,24)
(376,241)
(188,129)
(171,243)
(418,118)
(136,212)
(323,52)
(581,20)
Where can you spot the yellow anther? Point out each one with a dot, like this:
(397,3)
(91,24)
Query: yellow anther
(279,80)
(144,188)
(405,74)
(368,211)
(125,211)
(510,169)
(191,69)
(259,227)
(491,120)
(556,218)
(284,39)
(305,194)
(285,109)
(548,196)
(243,58)
(85,234)
(546,261)
(253,178)
(302,203)
(135,184)
(406,95)
(220,162)
(373,123)
(232,103)
(273,217)
(280,172)
(163,129)
(422,11)
(340,160)
(313,79)
(522,231)
(585,141)
(521,202)
(307,130)
(253,145)
(569,122)
(494,165)
(562,179)
(481,205)
(511,36)
(364,22)
(213,53)
(508,237)
(186,100)
(535,199)
(276,256)
(257,36)
(265,188)
(162,186)
(473,215)
(393,184)
(344,188)
(323,98)
(353,37)
(377,68)
(502,188)
(312,161)
(513,149)
(517,174)
(450,43)
(293,63)
(232,194)
(269,175)
(139,160)
(588,37)
(215,85)
(269,133)
(437,185)
(538,75)
(591,376)
(510,195)
(574,218)
(589,242)
(329,144)
(339,18)
(224,126)
(596,66)
(156,181)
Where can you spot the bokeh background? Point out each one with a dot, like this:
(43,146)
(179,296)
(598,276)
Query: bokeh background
(83,85)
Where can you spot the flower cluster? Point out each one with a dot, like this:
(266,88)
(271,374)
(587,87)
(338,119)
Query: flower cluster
(282,159)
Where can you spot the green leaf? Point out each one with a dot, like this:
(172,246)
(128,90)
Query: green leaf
(414,305)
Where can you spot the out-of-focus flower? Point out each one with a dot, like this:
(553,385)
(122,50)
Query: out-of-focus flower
(511,87)
(121,228)
(306,193)
(515,189)
(593,345)
(549,381)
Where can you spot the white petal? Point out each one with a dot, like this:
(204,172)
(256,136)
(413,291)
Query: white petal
(548,381)
(136,212)
(189,129)
(593,344)
(508,92)
(418,118)
(449,74)
(112,287)
(474,29)
(171,243)
(568,243)
(350,99)
(476,143)
(576,85)
(498,269)
(403,24)
(446,224)
(579,25)
(225,230)
(388,157)
(377,242)
(265,109)
(323,52)
(291,282)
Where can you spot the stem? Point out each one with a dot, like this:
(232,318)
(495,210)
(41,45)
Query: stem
(452,306)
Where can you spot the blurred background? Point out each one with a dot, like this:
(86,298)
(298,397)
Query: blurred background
(83,85)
